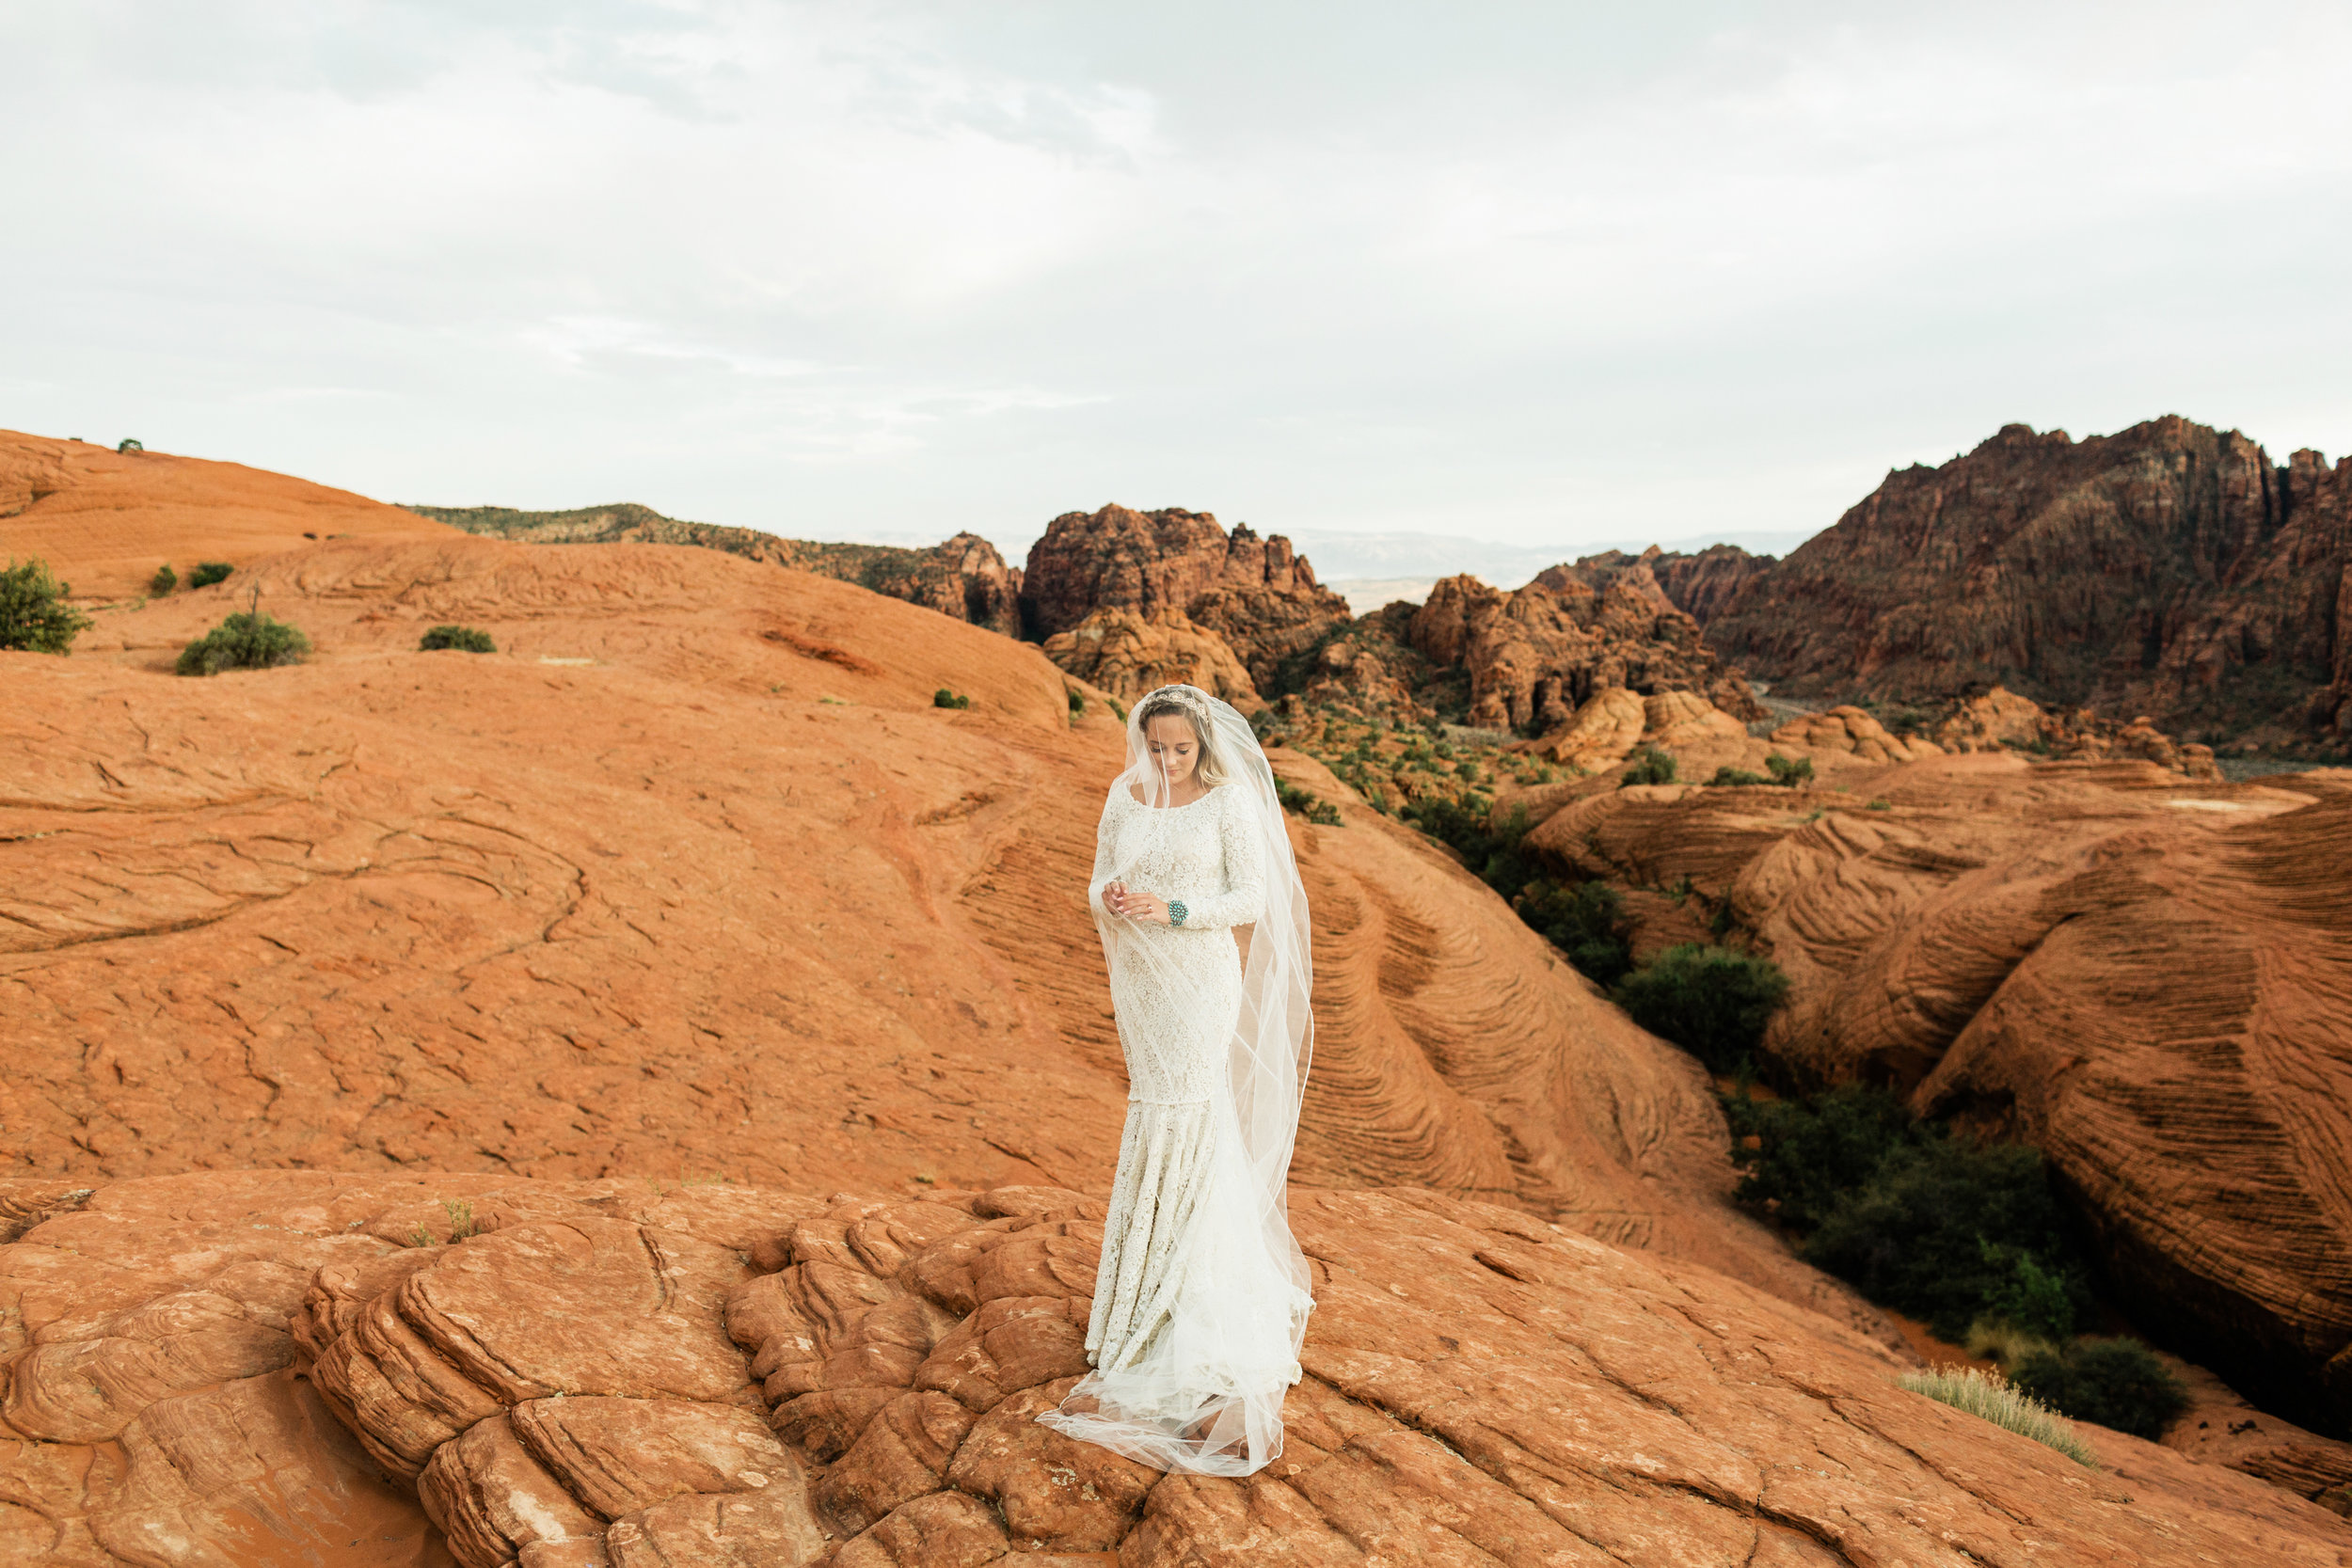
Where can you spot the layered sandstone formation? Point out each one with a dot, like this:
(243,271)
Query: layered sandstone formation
(2168,570)
(1129,652)
(1534,656)
(692,880)
(1258,595)
(104,520)
(228,1368)
(2148,977)
(963,576)
(2000,719)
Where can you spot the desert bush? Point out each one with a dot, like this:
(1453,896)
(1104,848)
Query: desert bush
(1728,778)
(1788,772)
(164,582)
(1306,803)
(944,698)
(1999,1340)
(1495,853)
(1989,1397)
(467,639)
(1649,766)
(1711,1001)
(130,444)
(1586,922)
(1915,1236)
(34,615)
(207,573)
(1875,804)
(1811,1154)
(1078,705)
(2116,1382)
(246,641)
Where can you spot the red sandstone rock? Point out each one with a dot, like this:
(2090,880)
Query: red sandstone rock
(2143,976)
(1480,1386)
(1533,657)
(2168,569)
(1256,594)
(964,577)
(104,520)
(1127,653)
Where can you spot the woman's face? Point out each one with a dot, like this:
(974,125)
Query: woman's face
(1175,748)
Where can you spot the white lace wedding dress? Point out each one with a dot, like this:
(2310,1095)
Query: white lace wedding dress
(1201,1301)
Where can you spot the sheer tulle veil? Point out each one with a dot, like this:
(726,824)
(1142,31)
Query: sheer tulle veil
(1210,1399)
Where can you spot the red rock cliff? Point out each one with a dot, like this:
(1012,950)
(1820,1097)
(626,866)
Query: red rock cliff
(2168,570)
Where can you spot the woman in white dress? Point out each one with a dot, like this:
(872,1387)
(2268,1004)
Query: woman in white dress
(1201,1300)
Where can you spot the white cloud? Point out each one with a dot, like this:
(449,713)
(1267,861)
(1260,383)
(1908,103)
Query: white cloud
(1539,274)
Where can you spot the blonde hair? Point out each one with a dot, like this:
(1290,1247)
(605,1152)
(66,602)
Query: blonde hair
(1171,702)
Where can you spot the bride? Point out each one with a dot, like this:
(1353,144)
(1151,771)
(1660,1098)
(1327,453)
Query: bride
(1201,1300)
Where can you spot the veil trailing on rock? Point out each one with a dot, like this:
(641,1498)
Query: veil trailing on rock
(1229,1287)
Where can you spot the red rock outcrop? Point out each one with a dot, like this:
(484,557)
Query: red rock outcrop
(1534,656)
(964,577)
(1697,584)
(1128,653)
(1258,595)
(605,1374)
(2000,719)
(104,520)
(2147,978)
(2167,570)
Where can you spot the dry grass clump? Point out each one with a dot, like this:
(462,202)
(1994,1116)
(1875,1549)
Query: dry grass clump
(1989,1397)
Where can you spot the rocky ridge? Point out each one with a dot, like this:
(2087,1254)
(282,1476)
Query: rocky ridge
(964,577)
(2169,570)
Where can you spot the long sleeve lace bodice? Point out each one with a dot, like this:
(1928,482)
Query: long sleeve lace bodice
(1203,854)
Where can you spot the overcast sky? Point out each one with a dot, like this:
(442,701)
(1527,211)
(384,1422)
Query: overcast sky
(1542,274)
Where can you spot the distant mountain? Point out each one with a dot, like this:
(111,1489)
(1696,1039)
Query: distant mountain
(2169,570)
(964,577)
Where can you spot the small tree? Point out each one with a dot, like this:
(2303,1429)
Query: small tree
(944,698)
(1586,922)
(34,615)
(164,582)
(207,573)
(246,641)
(1789,772)
(470,639)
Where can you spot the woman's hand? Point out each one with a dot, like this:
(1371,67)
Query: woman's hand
(1129,905)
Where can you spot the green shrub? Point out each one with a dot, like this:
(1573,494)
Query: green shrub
(1306,803)
(34,615)
(2116,1382)
(129,443)
(1788,773)
(164,582)
(1649,766)
(1877,805)
(1989,1397)
(1914,1237)
(1498,854)
(246,641)
(1811,1154)
(1711,1001)
(1586,922)
(1726,778)
(1078,705)
(465,640)
(944,698)
(207,573)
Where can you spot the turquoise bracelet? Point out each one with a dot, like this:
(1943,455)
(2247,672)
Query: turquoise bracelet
(1176,911)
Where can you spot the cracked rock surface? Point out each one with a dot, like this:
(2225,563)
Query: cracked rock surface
(606,1373)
